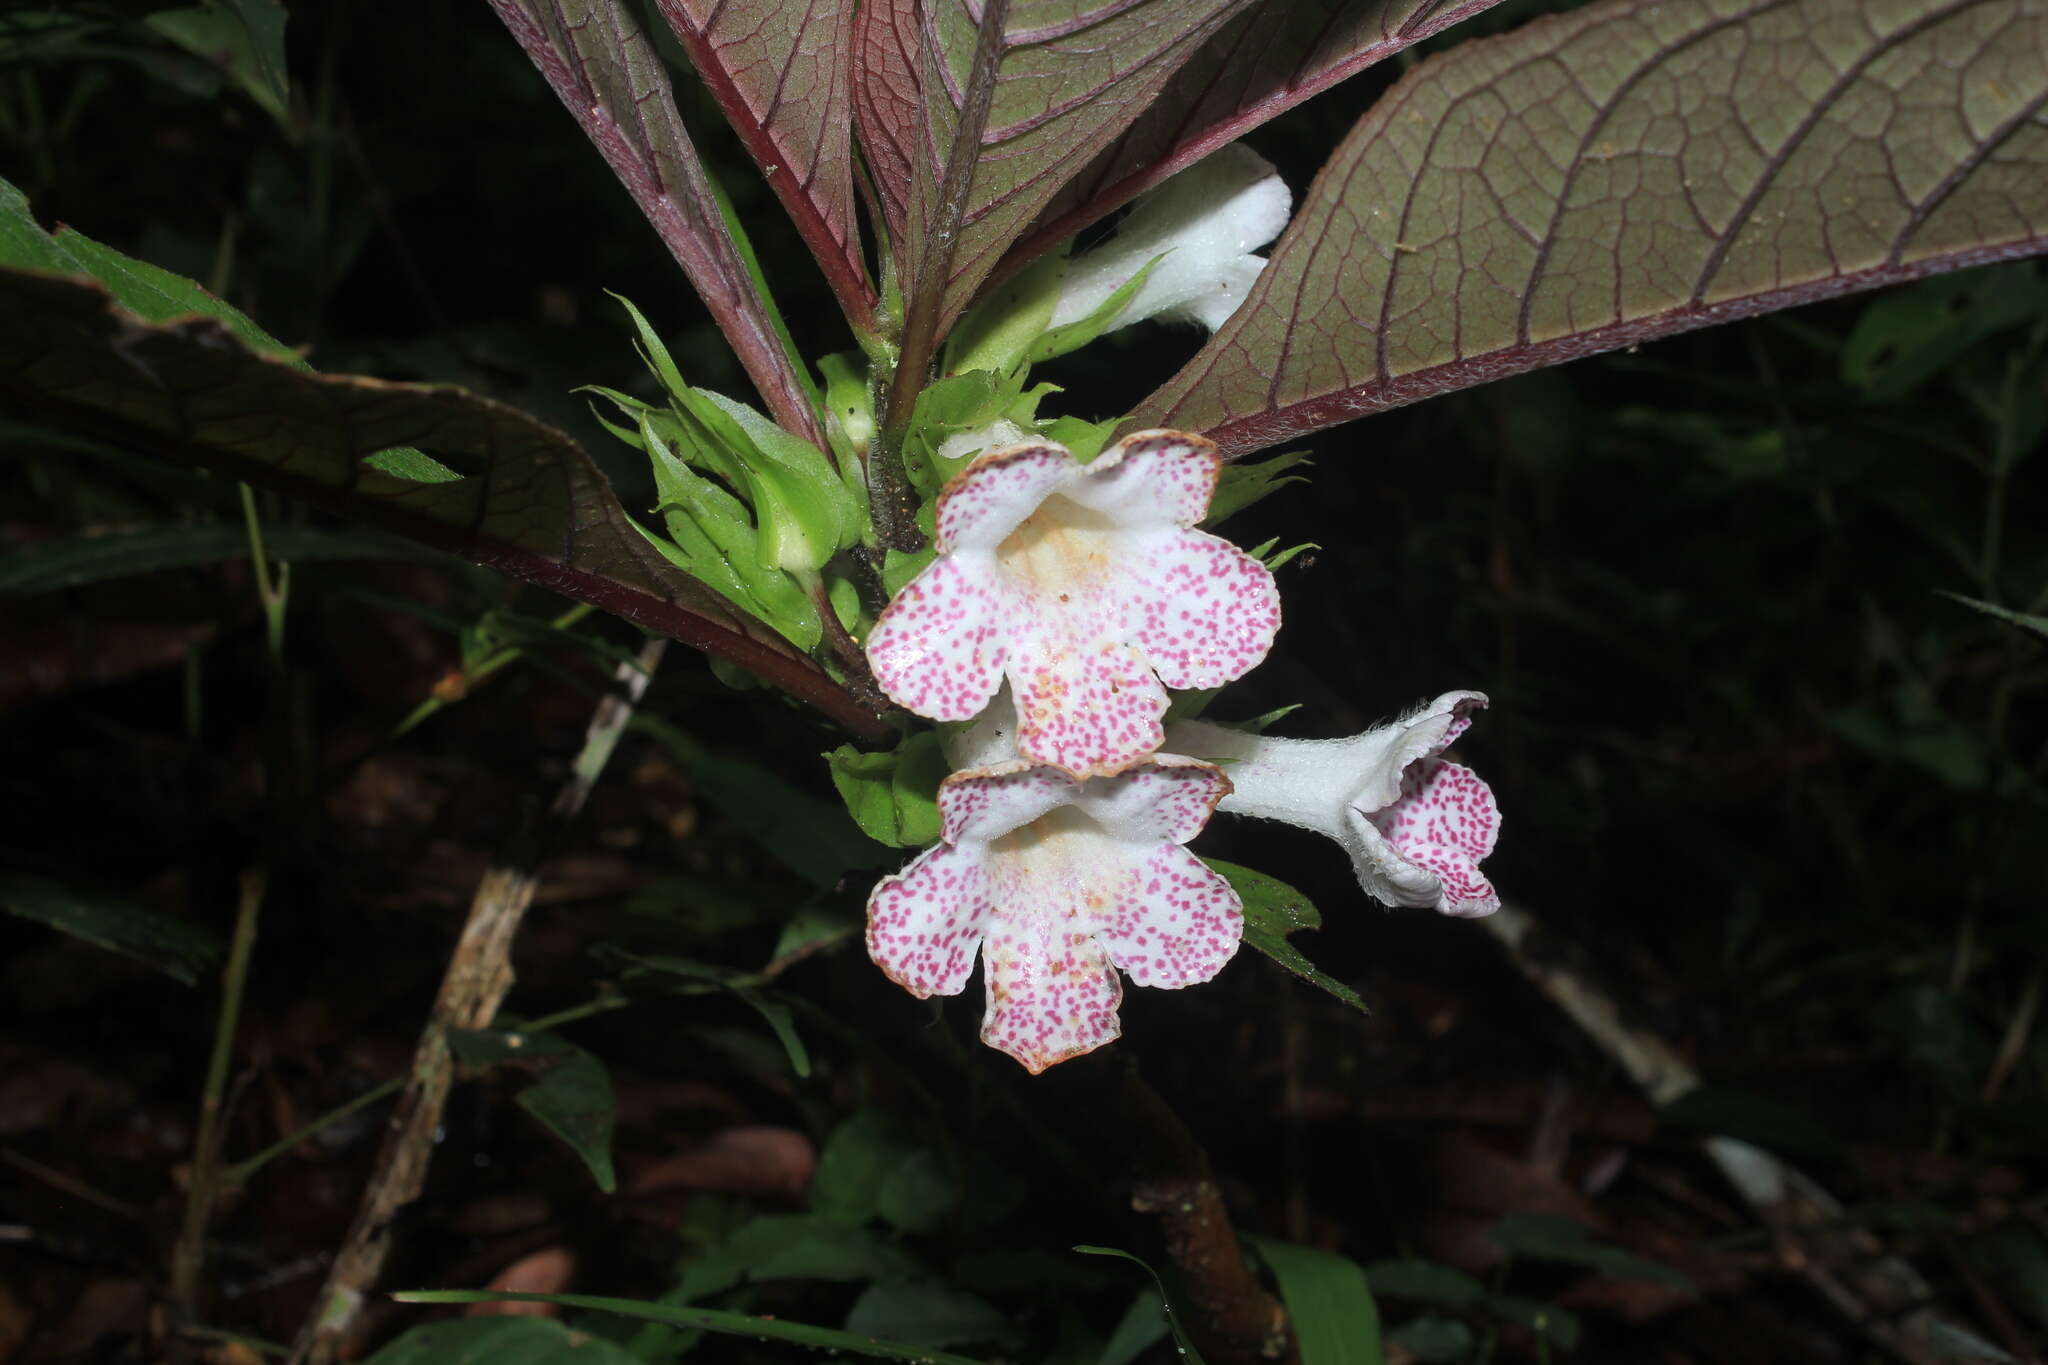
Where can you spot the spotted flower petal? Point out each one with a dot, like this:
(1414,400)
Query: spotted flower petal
(1416,827)
(1059,882)
(1085,586)
(1444,822)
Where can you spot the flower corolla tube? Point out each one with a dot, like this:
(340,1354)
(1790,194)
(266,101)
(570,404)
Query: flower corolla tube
(1415,825)
(1059,883)
(1200,227)
(1085,586)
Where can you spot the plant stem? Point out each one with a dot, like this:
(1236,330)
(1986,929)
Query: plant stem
(1231,1317)
(273,595)
(478,976)
(511,654)
(188,1256)
(241,1170)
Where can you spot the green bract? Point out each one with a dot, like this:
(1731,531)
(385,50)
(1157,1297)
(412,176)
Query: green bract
(750,509)
(893,796)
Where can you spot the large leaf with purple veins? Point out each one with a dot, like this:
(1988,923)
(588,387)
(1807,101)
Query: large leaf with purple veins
(529,501)
(1014,98)
(1623,172)
(1262,63)
(779,71)
(601,66)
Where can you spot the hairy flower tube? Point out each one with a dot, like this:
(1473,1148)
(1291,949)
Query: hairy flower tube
(1086,587)
(1204,223)
(1059,883)
(1416,827)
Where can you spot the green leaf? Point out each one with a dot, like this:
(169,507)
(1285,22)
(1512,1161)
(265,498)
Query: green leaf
(1272,911)
(772,1011)
(1328,1301)
(1142,1326)
(1908,336)
(1182,1343)
(1423,1281)
(572,1097)
(179,950)
(531,502)
(919,1194)
(814,838)
(2038,625)
(893,795)
(807,1246)
(1243,483)
(1547,1237)
(157,295)
(1620,172)
(72,563)
(500,1341)
(705,1319)
(857,1159)
(926,1313)
(244,38)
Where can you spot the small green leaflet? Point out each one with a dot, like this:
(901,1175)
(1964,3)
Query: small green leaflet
(572,1096)
(157,295)
(1272,911)
(1188,1354)
(2024,620)
(893,796)
(1328,1301)
(179,950)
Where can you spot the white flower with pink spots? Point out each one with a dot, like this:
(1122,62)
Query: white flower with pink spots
(1059,883)
(1086,587)
(1416,826)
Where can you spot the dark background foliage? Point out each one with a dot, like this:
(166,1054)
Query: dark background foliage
(1790,797)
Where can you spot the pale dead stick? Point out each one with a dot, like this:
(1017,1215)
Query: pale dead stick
(479,975)
(1889,1301)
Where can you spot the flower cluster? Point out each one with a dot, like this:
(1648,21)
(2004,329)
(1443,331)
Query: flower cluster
(1063,601)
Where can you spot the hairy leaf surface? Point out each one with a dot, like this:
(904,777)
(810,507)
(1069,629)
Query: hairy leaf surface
(530,503)
(600,65)
(1627,171)
(779,71)
(1268,59)
(1012,100)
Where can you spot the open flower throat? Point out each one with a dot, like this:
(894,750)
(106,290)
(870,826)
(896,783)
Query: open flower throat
(1063,601)
(1058,884)
(1087,588)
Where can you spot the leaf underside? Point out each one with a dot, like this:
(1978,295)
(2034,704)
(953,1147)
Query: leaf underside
(1016,98)
(1265,61)
(532,503)
(603,69)
(779,72)
(1623,172)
